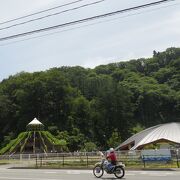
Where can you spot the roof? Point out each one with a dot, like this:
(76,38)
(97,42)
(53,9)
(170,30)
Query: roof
(169,132)
(35,122)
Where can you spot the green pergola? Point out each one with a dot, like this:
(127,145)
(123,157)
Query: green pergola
(34,140)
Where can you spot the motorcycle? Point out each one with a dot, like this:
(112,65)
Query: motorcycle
(100,167)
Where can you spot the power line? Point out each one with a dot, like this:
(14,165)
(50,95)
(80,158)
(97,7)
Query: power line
(39,12)
(99,22)
(83,20)
(50,15)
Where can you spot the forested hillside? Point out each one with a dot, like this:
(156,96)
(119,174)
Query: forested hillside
(94,107)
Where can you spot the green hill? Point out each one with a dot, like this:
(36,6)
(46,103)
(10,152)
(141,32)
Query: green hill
(92,105)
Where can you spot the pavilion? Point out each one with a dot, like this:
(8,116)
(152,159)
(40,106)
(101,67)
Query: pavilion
(34,140)
(168,134)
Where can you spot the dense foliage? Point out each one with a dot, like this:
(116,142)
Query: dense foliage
(94,107)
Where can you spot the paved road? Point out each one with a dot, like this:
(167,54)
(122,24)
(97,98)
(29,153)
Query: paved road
(39,174)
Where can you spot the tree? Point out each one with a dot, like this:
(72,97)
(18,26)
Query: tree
(86,105)
(136,129)
(89,147)
(114,140)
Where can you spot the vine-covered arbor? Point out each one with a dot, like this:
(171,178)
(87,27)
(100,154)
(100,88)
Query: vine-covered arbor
(34,140)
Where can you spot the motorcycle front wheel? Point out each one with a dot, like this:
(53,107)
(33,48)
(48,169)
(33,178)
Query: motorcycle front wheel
(98,171)
(119,172)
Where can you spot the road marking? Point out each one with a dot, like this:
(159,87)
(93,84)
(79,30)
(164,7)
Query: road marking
(129,174)
(13,178)
(157,175)
(50,172)
(73,172)
(143,173)
(79,172)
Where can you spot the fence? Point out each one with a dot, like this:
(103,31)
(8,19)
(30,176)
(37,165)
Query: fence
(133,159)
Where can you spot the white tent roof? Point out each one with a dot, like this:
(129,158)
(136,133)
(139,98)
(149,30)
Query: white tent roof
(35,122)
(169,132)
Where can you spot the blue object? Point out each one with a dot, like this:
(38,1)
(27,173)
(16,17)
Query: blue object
(110,166)
(156,158)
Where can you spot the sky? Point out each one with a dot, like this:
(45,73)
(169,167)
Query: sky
(117,38)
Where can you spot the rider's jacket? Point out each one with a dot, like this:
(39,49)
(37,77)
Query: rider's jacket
(112,157)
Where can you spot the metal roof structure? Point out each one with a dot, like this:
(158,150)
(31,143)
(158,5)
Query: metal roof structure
(35,122)
(35,125)
(169,132)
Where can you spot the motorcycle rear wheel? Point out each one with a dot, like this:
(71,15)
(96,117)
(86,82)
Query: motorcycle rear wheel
(98,171)
(119,172)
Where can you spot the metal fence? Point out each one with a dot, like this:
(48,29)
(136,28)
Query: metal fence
(132,159)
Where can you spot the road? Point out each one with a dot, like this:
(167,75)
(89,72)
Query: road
(47,174)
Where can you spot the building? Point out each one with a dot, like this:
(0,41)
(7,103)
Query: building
(165,135)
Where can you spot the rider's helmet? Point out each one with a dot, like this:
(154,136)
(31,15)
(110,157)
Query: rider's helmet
(111,150)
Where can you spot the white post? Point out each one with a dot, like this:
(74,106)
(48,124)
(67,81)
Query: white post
(34,151)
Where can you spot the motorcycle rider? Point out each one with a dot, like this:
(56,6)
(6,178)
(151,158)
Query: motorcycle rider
(111,157)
